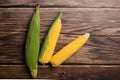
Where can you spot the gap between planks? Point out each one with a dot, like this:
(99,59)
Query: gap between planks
(56,6)
(67,65)
(61,8)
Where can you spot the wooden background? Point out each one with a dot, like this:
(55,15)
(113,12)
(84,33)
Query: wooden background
(99,59)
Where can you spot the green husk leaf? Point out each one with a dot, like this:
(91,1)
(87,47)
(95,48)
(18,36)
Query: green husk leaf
(33,43)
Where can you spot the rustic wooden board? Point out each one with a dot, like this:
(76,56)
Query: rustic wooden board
(103,24)
(66,72)
(75,20)
(98,59)
(65,3)
(98,49)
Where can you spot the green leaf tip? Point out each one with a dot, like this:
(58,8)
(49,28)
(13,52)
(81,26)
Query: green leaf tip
(60,15)
(37,7)
(34,73)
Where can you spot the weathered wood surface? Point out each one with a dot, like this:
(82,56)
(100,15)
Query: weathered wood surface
(99,59)
(75,20)
(98,50)
(66,72)
(103,46)
(65,3)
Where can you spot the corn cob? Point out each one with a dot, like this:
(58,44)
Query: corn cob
(50,41)
(32,43)
(68,50)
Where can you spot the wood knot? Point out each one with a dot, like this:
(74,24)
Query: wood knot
(63,76)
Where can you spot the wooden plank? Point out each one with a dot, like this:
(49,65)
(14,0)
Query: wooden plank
(98,50)
(75,20)
(65,3)
(67,72)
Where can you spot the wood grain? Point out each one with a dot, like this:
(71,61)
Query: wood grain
(75,20)
(98,50)
(65,3)
(98,59)
(63,72)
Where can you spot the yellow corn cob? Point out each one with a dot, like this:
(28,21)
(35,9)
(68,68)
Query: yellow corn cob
(50,41)
(68,50)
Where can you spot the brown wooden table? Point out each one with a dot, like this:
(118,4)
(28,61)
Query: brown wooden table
(99,59)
